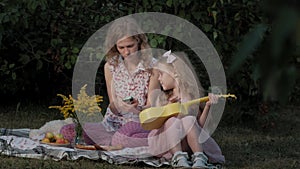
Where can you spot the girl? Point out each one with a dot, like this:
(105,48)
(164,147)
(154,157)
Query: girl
(178,137)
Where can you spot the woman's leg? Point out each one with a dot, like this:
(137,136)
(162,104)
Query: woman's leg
(95,133)
(130,134)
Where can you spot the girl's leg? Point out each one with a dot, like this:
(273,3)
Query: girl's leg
(199,159)
(192,133)
(167,139)
(210,147)
(174,130)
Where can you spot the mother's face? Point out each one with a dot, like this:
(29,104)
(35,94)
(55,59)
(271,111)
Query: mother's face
(127,46)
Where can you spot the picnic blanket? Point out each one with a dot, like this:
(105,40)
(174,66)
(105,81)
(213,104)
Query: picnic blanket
(16,142)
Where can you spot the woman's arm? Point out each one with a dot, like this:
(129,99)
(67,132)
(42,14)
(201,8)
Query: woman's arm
(153,84)
(108,80)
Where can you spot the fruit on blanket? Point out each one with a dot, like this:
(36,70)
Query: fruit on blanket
(54,138)
(46,140)
(58,136)
(66,141)
(60,141)
(49,135)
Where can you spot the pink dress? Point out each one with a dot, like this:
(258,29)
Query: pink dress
(124,84)
(160,141)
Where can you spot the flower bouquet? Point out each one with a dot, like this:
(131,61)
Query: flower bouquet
(79,109)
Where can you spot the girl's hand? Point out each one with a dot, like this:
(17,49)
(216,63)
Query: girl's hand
(174,99)
(213,99)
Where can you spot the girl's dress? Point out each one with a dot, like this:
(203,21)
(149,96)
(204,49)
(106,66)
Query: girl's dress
(159,142)
(124,84)
(159,139)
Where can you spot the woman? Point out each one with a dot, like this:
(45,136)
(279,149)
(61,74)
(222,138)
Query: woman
(128,73)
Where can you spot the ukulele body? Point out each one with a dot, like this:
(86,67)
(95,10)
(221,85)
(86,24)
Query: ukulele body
(155,117)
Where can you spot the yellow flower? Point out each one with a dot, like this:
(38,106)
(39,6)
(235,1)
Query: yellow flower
(85,104)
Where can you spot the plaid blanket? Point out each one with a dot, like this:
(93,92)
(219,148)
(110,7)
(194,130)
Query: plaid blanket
(16,142)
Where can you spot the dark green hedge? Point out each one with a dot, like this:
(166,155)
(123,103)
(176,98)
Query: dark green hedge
(258,42)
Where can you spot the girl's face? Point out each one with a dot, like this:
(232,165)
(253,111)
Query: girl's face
(166,80)
(127,46)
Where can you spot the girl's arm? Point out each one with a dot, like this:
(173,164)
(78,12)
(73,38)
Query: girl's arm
(213,99)
(203,115)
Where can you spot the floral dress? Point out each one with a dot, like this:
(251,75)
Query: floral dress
(125,85)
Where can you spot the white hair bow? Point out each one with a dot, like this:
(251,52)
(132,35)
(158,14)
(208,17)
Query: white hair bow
(170,57)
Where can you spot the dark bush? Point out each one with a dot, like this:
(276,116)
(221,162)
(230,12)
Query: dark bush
(258,42)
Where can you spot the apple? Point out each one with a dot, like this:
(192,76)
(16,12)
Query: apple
(58,136)
(60,141)
(49,135)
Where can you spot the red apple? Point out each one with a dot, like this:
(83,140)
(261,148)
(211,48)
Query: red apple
(60,141)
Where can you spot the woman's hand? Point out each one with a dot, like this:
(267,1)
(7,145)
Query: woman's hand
(128,107)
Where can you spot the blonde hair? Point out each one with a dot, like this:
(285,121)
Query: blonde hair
(121,28)
(181,70)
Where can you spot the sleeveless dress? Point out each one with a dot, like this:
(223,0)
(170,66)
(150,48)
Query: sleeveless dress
(125,85)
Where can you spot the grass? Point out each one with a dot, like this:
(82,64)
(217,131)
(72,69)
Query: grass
(243,147)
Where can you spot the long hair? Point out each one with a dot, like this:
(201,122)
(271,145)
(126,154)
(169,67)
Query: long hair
(183,73)
(126,27)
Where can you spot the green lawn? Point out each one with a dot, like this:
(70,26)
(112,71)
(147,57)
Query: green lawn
(243,147)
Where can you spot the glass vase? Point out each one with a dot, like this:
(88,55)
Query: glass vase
(79,139)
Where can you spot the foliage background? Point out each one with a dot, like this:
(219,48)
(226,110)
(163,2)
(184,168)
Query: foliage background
(258,42)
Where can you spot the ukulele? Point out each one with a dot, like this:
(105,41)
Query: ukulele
(155,117)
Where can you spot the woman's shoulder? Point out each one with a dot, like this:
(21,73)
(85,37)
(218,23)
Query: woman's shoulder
(114,60)
(112,63)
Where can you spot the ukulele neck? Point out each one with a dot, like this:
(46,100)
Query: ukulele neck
(204,99)
(195,101)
